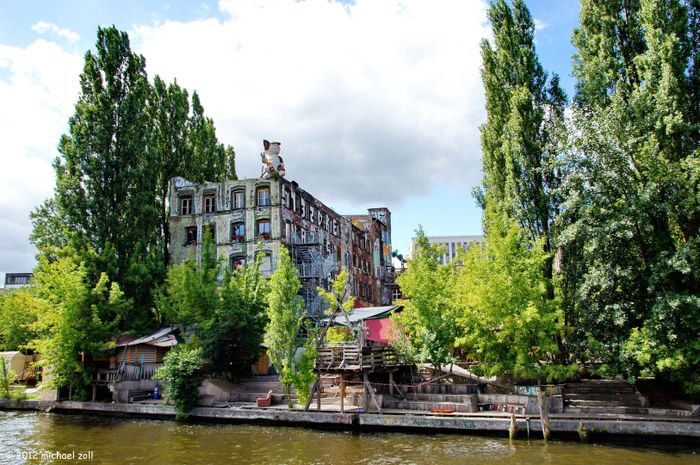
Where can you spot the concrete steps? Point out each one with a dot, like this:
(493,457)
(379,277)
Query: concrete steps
(250,389)
(603,396)
(455,398)
(425,406)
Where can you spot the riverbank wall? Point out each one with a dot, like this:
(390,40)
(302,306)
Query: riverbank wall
(595,427)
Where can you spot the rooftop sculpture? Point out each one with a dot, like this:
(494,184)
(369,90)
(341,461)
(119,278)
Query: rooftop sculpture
(273,164)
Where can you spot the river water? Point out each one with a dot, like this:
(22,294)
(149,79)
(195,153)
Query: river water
(38,438)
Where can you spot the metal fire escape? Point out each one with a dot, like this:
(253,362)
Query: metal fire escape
(315,269)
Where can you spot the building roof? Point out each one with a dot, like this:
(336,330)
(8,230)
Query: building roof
(366,313)
(161,338)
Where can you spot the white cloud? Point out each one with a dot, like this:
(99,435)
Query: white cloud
(38,87)
(374,102)
(539,24)
(43,26)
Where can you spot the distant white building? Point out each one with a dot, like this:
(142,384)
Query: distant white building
(451,245)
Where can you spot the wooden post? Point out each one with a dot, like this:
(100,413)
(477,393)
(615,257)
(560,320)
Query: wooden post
(365,400)
(318,391)
(342,394)
(94,391)
(544,416)
(311,396)
(513,430)
(582,432)
(391,383)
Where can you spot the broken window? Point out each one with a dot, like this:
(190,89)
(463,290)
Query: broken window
(186,205)
(191,235)
(264,229)
(209,203)
(263,196)
(236,262)
(238,200)
(266,265)
(237,232)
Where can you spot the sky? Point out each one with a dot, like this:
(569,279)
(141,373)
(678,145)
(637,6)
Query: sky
(376,102)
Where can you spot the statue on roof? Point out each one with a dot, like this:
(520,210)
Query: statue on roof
(273,165)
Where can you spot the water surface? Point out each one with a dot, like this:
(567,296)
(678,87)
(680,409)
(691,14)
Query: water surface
(35,438)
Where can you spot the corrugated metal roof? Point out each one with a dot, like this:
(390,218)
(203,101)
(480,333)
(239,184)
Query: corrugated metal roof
(161,338)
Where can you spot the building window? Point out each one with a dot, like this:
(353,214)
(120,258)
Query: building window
(288,199)
(210,203)
(263,196)
(211,229)
(186,205)
(238,200)
(264,229)
(396,294)
(237,232)
(191,235)
(236,262)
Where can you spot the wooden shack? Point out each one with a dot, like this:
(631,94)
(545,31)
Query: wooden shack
(134,363)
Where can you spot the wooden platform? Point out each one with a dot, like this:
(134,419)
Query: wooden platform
(349,357)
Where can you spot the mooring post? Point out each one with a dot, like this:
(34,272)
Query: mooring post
(342,394)
(319,388)
(544,417)
(582,432)
(513,430)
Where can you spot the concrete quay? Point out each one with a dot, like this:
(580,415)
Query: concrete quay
(598,426)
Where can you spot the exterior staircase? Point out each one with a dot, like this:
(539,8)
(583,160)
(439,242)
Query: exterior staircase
(603,396)
(250,389)
(432,397)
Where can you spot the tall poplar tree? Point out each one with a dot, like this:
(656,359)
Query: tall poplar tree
(104,181)
(126,140)
(524,134)
(631,241)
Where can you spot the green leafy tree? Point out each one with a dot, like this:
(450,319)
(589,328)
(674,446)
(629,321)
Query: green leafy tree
(226,311)
(19,309)
(427,319)
(505,319)
(524,135)
(7,377)
(632,219)
(104,182)
(126,140)
(234,334)
(285,313)
(182,373)
(76,322)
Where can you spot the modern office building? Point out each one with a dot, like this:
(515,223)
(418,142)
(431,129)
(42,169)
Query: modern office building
(451,244)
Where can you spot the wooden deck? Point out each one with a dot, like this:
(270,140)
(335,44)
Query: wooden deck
(349,357)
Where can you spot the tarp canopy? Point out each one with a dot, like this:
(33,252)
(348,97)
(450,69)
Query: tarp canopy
(357,315)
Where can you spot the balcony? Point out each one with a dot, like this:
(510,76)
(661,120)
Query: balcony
(309,238)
